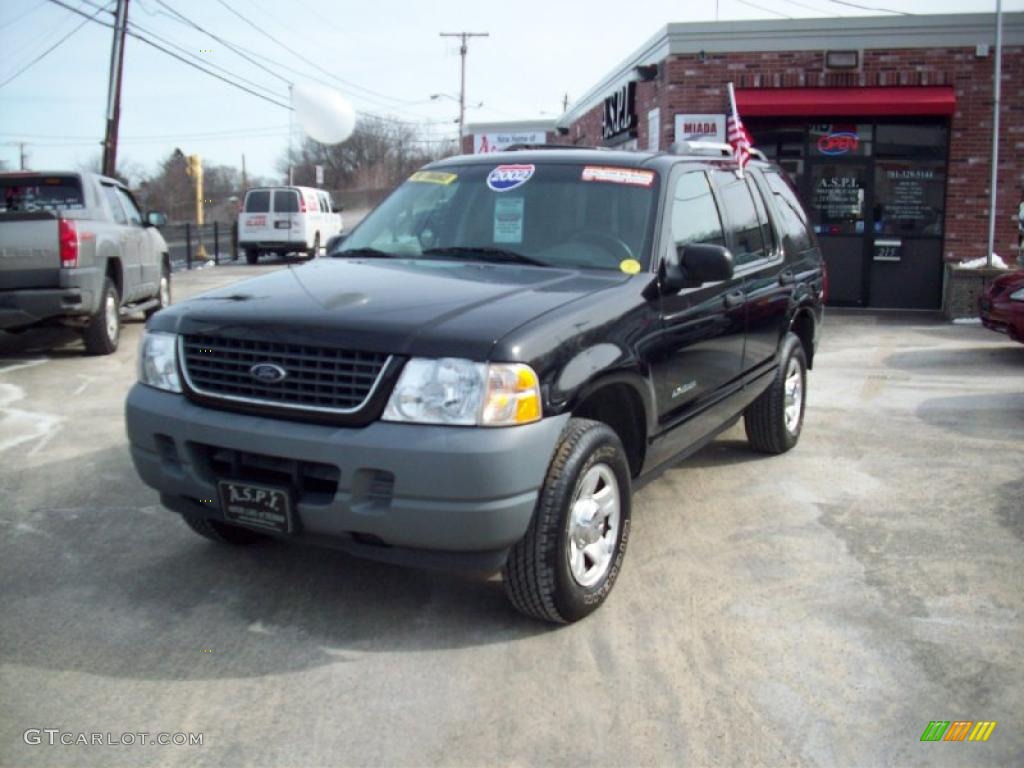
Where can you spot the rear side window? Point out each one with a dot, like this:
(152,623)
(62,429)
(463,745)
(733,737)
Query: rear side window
(286,201)
(794,220)
(258,201)
(115,204)
(744,225)
(130,209)
(695,216)
(40,193)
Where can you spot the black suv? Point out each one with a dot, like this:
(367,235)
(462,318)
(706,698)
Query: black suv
(488,363)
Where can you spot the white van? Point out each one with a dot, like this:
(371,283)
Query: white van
(285,220)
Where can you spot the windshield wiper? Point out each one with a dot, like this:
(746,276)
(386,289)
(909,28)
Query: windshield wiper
(493,255)
(374,253)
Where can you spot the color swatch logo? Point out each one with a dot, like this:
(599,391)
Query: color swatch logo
(958,730)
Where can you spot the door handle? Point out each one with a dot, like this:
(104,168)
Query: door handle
(786,277)
(734,299)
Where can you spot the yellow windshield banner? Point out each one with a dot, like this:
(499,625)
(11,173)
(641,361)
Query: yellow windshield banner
(434,177)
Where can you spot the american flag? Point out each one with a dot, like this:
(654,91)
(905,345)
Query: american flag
(736,134)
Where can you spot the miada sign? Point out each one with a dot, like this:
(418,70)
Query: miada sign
(700,128)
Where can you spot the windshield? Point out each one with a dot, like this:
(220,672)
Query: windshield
(549,214)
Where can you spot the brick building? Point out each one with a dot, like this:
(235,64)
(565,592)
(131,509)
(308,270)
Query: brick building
(884,124)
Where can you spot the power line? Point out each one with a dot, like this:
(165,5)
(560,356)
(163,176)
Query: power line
(49,50)
(150,43)
(762,8)
(869,8)
(23,14)
(811,8)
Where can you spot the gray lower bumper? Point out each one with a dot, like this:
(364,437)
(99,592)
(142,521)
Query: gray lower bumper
(455,489)
(29,307)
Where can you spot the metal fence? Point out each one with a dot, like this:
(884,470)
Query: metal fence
(191,246)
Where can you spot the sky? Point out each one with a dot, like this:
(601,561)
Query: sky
(385,56)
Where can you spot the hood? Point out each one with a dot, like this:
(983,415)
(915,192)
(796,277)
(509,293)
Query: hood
(429,308)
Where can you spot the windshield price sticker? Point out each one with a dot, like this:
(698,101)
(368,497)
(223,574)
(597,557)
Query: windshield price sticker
(630,266)
(506,177)
(434,177)
(631,176)
(508,220)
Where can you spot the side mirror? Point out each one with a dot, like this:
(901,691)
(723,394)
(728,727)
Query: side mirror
(155,219)
(694,264)
(337,208)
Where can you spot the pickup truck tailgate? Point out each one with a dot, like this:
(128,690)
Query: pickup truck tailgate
(29,251)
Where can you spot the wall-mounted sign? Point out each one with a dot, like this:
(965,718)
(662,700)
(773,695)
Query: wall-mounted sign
(700,128)
(619,114)
(495,142)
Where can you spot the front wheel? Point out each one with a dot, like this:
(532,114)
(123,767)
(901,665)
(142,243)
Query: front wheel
(251,256)
(773,422)
(567,563)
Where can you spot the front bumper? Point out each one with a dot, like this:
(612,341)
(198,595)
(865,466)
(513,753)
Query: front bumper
(22,308)
(420,494)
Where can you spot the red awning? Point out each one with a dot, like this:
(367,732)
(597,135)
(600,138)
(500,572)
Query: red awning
(899,101)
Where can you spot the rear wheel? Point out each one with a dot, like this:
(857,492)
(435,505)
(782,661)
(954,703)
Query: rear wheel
(164,294)
(567,563)
(222,533)
(104,329)
(773,422)
(315,250)
(251,255)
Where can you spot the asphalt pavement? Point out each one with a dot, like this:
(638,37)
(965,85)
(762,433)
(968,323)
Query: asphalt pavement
(817,608)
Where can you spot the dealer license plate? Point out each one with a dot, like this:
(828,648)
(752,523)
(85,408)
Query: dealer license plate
(256,506)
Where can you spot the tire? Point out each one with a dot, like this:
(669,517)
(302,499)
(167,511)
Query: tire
(251,255)
(164,293)
(223,533)
(774,421)
(104,329)
(538,577)
(315,250)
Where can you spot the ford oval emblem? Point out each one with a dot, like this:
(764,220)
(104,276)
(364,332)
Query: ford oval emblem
(268,373)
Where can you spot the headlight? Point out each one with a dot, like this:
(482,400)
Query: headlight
(1018,295)
(461,392)
(158,361)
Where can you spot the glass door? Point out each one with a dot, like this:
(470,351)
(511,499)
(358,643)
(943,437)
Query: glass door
(839,201)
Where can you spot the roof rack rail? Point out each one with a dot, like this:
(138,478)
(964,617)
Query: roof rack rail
(526,147)
(701,148)
(758,154)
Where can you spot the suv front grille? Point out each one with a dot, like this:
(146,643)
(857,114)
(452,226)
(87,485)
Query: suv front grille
(318,378)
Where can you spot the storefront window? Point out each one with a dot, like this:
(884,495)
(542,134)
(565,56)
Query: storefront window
(840,140)
(919,141)
(837,199)
(909,198)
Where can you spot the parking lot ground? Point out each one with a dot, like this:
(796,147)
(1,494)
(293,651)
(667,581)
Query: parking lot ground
(816,608)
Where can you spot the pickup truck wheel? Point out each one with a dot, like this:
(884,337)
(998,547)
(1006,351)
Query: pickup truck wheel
(773,421)
(104,328)
(164,294)
(222,533)
(567,563)
(251,256)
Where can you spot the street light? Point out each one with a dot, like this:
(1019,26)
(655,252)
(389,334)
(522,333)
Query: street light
(436,96)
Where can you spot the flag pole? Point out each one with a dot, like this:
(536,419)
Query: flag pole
(735,114)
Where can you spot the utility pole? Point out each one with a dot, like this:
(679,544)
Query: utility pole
(565,103)
(114,88)
(21,153)
(996,92)
(245,181)
(464,36)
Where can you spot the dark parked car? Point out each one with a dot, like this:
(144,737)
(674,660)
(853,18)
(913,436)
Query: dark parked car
(488,363)
(1002,305)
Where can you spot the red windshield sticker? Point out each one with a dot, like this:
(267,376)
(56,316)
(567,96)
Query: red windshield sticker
(632,176)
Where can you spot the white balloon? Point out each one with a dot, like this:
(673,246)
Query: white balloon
(324,114)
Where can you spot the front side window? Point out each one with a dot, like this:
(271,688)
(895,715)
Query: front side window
(561,215)
(745,227)
(286,201)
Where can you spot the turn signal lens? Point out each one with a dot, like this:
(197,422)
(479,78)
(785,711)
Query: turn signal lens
(513,395)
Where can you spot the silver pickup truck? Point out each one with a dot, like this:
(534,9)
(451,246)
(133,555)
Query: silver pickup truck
(75,250)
